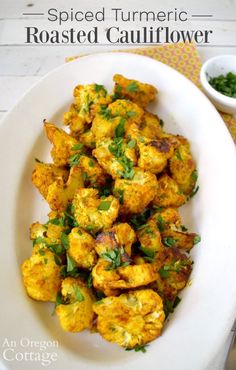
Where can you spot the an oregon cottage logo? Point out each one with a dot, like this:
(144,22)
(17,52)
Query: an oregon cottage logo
(25,349)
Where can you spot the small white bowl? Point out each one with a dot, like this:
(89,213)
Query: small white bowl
(212,68)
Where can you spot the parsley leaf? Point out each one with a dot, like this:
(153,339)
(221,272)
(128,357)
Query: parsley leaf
(78,295)
(65,240)
(160,223)
(120,128)
(104,205)
(149,253)
(138,348)
(132,87)
(77,146)
(169,241)
(131,144)
(114,256)
(70,263)
(197,239)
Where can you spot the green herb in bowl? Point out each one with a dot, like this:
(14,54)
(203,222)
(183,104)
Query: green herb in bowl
(226,85)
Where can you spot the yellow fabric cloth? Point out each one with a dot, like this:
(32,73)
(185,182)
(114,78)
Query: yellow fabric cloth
(185,59)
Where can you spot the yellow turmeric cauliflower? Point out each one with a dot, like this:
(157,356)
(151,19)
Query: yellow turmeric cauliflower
(120,235)
(140,93)
(88,100)
(76,312)
(183,168)
(45,174)
(60,194)
(93,173)
(137,193)
(150,237)
(168,193)
(132,319)
(174,269)
(116,157)
(81,248)
(63,145)
(93,213)
(154,154)
(41,275)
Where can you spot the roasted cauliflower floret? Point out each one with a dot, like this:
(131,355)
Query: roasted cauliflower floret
(154,154)
(93,174)
(180,239)
(60,194)
(173,233)
(133,276)
(119,236)
(41,275)
(88,139)
(149,236)
(174,269)
(150,126)
(132,319)
(102,275)
(63,145)
(81,248)
(183,168)
(116,157)
(76,312)
(140,93)
(168,193)
(104,126)
(136,193)
(88,100)
(50,232)
(45,174)
(126,109)
(93,213)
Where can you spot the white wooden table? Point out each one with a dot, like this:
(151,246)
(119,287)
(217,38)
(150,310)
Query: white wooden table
(23,65)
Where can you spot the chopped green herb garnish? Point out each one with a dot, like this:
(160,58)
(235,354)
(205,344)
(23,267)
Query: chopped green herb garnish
(194,175)
(169,306)
(138,348)
(120,194)
(183,228)
(150,254)
(161,122)
(132,87)
(104,205)
(197,239)
(57,260)
(120,128)
(57,221)
(99,88)
(160,223)
(164,273)
(226,85)
(90,281)
(169,241)
(39,240)
(65,240)
(130,114)
(105,112)
(178,155)
(42,252)
(70,263)
(78,295)
(78,146)
(74,159)
(195,190)
(114,256)
(131,144)
(91,163)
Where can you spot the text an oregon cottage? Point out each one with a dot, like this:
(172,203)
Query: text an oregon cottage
(119,33)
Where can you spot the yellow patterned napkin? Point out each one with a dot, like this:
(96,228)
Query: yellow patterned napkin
(185,59)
